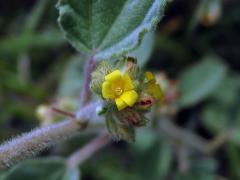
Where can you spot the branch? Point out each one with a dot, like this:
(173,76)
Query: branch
(177,134)
(219,140)
(180,135)
(183,158)
(84,153)
(88,68)
(30,144)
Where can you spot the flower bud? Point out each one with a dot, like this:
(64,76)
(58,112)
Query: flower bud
(210,12)
(132,68)
(145,102)
(130,116)
(98,75)
(45,115)
(42,111)
(126,133)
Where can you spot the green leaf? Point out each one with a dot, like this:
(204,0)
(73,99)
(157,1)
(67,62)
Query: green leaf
(47,169)
(72,174)
(165,160)
(22,43)
(157,160)
(215,117)
(200,80)
(222,112)
(110,172)
(145,138)
(108,29)
(144,51)
(228,89)
(35,16)
(234,160)
(200,170)
(71,83)
(221,118)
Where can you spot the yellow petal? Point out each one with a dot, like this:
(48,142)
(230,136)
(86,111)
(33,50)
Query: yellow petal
(129,97)
(113,76)
(156,91)
(128,85)
(120,104)
(107,91)
(149,76)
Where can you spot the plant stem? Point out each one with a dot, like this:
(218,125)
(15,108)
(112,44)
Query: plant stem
(30,144)
(182,158)
(85,93)
(84,153)
(180,135)
(65,113)
(219,140)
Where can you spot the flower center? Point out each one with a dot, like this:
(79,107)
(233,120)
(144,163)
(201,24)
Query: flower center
(118,91)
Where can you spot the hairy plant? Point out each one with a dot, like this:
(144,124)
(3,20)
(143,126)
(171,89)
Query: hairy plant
(105,32)
(118,96)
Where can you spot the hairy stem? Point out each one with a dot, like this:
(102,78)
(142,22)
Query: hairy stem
(85,93)
(84,153)
(80,155)
(30,144)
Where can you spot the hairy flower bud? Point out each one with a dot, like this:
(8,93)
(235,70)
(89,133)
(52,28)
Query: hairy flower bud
(98,75)
(132,117)
(126,132)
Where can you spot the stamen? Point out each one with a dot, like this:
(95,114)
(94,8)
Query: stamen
(118,91)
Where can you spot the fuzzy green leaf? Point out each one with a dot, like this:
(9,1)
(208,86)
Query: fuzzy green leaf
(222,113)
(200,80)
(200,169)
(108,29)
(38,169)
(144,51)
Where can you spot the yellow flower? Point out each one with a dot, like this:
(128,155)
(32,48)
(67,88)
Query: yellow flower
(120,88)
(153,88)
(150,76)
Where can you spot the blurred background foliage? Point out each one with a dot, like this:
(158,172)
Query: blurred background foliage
(196,45)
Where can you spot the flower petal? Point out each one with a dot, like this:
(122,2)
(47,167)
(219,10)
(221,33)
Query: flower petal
(150,76)
(156,91)
(107,91)
(128,85)
(113,76)
(120,104)
(129,97)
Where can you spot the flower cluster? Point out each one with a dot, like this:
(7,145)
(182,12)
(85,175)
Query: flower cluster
(127,93)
